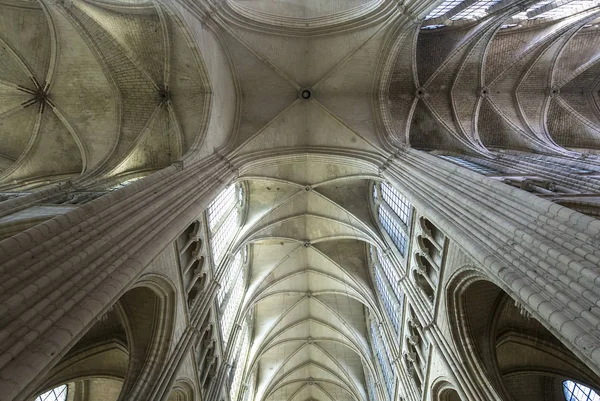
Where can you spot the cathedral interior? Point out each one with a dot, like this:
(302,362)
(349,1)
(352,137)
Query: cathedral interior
(299,200)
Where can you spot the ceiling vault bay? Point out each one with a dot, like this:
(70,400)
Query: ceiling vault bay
(306,166)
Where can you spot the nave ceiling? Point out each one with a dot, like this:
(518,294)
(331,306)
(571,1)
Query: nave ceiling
(308,228)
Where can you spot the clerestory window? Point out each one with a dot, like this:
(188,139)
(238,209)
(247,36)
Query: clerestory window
(387,280)
(476,167)
(443,8)
(475,11)
(394,213)
(383,358)
(578,392)
(241,354)
(56,394)
(228,281)
(223,221)
(232,304)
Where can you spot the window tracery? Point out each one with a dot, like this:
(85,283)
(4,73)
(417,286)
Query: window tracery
(578,392)
(56,394)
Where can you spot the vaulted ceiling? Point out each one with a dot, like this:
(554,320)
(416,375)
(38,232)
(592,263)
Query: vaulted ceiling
(96,87)
(308,226)
(107,88)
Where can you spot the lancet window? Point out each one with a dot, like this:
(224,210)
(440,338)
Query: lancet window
(241,354)
(387,282)
(56,394)
(232,273)
(229,307)
(394,213)
(223,220)
(371,387)
(383,357)
(578,392)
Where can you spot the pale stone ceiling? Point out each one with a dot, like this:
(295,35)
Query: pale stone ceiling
(128,86)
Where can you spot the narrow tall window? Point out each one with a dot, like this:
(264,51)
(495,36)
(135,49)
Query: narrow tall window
(397,202)
(232,305)
(394,230)
(241,354)
(578,392)
(394,214)
(383,358)
(220,206)
(223,221)
(56,394)
(386,280)
(230,275)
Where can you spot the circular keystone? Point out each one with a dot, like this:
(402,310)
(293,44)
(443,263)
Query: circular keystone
(305,94)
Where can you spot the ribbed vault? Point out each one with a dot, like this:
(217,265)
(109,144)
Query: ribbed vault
(96,87)
(481,86)
(309,289)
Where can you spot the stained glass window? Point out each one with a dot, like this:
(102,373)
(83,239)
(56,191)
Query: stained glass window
(56,394)
(578,392)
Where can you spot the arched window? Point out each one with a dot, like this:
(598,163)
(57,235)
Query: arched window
(394,213)
(223,220)
(56,394)
(230,278)
(578,392)
(382,352)
(240,355)
(386,281)
(230,305)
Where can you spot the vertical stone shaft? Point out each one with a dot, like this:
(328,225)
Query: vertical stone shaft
(58,277)
(544,255)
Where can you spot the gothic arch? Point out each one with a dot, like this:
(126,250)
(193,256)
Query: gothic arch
(512,355)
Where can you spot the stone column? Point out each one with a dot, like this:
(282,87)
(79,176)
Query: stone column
(58,277)
(544,255)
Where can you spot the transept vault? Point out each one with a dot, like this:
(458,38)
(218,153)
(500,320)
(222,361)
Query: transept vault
(298,200)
